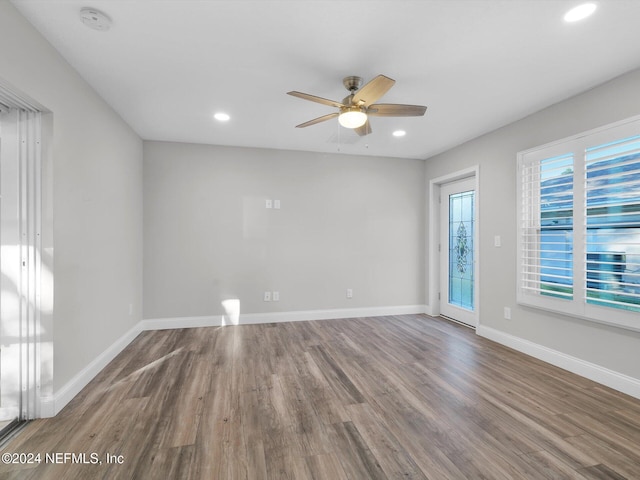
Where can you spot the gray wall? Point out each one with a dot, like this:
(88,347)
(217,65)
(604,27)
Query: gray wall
(93,188)
(613,348)
(345,222)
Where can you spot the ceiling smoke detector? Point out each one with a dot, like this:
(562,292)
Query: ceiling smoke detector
(95,19)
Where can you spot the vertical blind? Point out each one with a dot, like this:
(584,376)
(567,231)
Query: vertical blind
(20,302)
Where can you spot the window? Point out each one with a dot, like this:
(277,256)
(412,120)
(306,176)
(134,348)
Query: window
(579,225)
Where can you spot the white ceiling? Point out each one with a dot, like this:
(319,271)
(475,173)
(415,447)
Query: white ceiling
(166,66)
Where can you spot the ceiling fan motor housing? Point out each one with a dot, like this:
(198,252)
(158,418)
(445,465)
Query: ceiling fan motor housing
(352,83)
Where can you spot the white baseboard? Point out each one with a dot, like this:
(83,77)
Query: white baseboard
(277,317)
(181,322)
(51,406)
(610,378)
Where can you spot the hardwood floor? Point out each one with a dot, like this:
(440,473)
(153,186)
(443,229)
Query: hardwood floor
(407,397)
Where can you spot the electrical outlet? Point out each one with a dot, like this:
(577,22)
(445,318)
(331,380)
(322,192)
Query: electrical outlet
(276,204)
(349,293)
(267,296)
(507,313)
(275,296)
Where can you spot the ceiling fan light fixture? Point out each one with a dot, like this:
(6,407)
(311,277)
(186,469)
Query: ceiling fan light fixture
(352,117)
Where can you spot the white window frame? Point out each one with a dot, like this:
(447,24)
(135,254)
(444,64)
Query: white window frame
(577,306)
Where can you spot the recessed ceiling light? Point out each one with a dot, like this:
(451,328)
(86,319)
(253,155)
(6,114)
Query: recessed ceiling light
(221,117)
(580,12)
(399,133)
(95,19)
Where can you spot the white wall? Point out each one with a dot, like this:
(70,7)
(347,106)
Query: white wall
(612,348)
(345,222)
(94,182)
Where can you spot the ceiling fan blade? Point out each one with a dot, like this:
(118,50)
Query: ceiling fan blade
(396,110)
(373,90)
(324,118)
(364,129)
(313,98)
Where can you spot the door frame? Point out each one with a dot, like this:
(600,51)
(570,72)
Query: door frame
(433,238)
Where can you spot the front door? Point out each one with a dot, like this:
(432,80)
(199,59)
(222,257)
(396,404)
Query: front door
(458,251)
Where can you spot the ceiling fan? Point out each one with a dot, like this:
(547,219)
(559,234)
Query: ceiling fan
(356,108)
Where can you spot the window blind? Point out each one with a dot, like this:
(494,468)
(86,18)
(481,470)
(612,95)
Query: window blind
(547,226)
(579,225)
(612,240)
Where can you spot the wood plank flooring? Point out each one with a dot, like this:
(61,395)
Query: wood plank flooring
(403,397)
